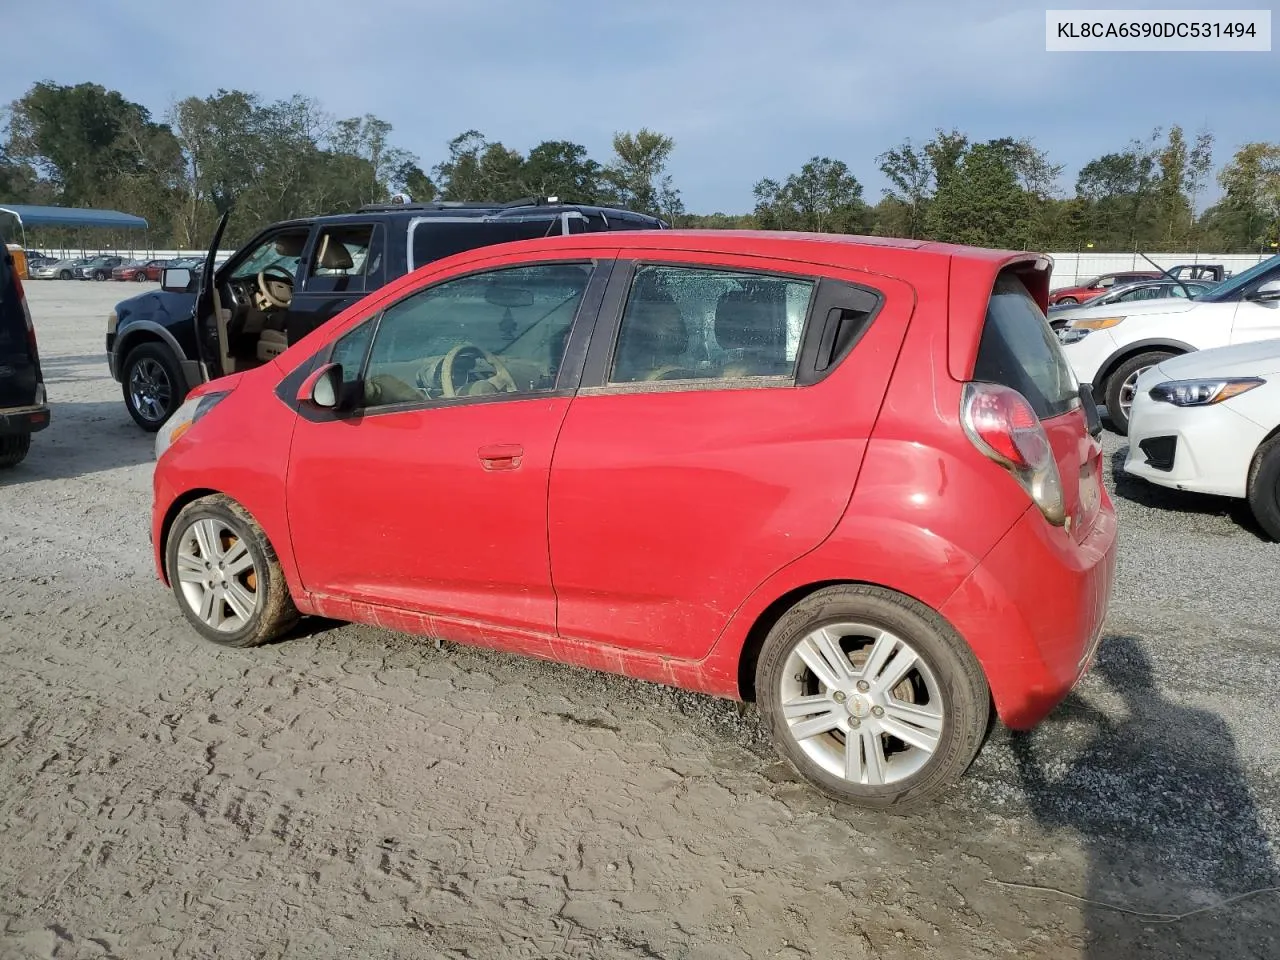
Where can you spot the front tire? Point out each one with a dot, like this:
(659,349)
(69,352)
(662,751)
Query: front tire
(1070,301)
(153,385)
(13,450)
(64,274)
(225,575)
(139,277)
(99,276)
(872,697)
(1120,385)
(1264,487)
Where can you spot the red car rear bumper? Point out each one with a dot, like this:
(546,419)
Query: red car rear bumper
(1033,612)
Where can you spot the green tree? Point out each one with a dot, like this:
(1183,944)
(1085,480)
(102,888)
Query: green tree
(823,197)
(910,171)
(979,201)
(638,173)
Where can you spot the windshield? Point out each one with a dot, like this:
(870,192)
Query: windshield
(1229,288)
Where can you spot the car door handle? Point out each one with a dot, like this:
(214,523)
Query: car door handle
(501,456)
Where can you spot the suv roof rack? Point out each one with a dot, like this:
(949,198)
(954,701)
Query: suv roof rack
(454,205)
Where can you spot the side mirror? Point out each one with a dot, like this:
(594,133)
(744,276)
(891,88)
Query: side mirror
(1268,291)
(175,279)
(323,387)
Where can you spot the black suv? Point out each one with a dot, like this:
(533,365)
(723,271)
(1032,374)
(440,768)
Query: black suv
(294,276)
(22,398)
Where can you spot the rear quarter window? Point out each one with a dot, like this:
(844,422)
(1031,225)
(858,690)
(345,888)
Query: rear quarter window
(436,239)
(1019,350)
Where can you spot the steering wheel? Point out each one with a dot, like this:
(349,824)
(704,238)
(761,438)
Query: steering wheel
(277,273)
(501,379)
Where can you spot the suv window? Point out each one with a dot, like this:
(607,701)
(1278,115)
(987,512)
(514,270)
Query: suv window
(697,323)
(341,260)
(435,238)
(501,331)
(282,249)
(1019,350)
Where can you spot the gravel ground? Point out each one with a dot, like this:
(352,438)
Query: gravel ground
(357,793)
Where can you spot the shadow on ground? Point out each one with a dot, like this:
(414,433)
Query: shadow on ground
(82,439)
(1160,803)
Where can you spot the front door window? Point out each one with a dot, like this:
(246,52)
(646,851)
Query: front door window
(499,332)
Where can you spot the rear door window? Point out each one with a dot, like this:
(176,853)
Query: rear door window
(1019,350)
(342,259)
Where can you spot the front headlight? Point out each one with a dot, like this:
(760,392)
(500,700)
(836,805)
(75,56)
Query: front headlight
(183,418)
(112,322)
(1201,393)
(1098,323)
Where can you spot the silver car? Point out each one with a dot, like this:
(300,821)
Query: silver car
(57,269)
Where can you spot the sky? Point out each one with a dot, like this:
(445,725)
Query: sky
(747,88)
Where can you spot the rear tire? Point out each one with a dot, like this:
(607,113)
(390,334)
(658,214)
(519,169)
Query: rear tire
(140,277)
(1118,393)
(1264,487)
(1069,300)
(13,450)
(64,274)
(942,695)
(209,590)
(153,385)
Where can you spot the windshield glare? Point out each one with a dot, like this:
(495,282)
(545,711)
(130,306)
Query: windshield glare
(1228,287)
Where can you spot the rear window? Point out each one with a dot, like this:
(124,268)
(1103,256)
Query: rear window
(1019,351)
(435,239)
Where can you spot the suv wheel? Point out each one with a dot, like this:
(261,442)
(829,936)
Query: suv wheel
(153,385)
(13,450)
(1264,487)
(225,574)
(1120,385)
(64,274)
(872,696)
(99,275)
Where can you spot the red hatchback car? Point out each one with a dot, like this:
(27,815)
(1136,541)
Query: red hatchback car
(849,478)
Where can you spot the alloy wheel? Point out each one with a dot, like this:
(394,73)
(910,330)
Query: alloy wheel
(150,389)
(862,703)
(217,575)
(1128,390)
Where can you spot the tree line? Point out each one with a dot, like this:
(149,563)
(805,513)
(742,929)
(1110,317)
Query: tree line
(85,145)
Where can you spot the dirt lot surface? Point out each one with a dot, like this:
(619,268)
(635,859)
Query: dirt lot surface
(357,793)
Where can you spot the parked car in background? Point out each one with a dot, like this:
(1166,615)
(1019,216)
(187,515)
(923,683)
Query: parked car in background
(58,269)
(23,408)
(1208,272)
(485,401)
(97,268)
(1210,422)
(1110,346)
(293,276)
(139,271)
(35,258)
(1098,285)
(1142,290)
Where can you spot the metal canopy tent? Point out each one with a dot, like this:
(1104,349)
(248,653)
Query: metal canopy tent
(38,216)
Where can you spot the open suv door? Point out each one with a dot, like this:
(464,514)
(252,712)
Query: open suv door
(22,397)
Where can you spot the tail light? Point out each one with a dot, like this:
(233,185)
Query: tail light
(1001,424)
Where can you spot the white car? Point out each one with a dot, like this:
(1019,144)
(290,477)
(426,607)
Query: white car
(1110,346)
(1210,422)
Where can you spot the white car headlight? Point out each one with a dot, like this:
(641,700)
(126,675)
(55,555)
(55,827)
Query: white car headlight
(1201,393)
(183,418)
